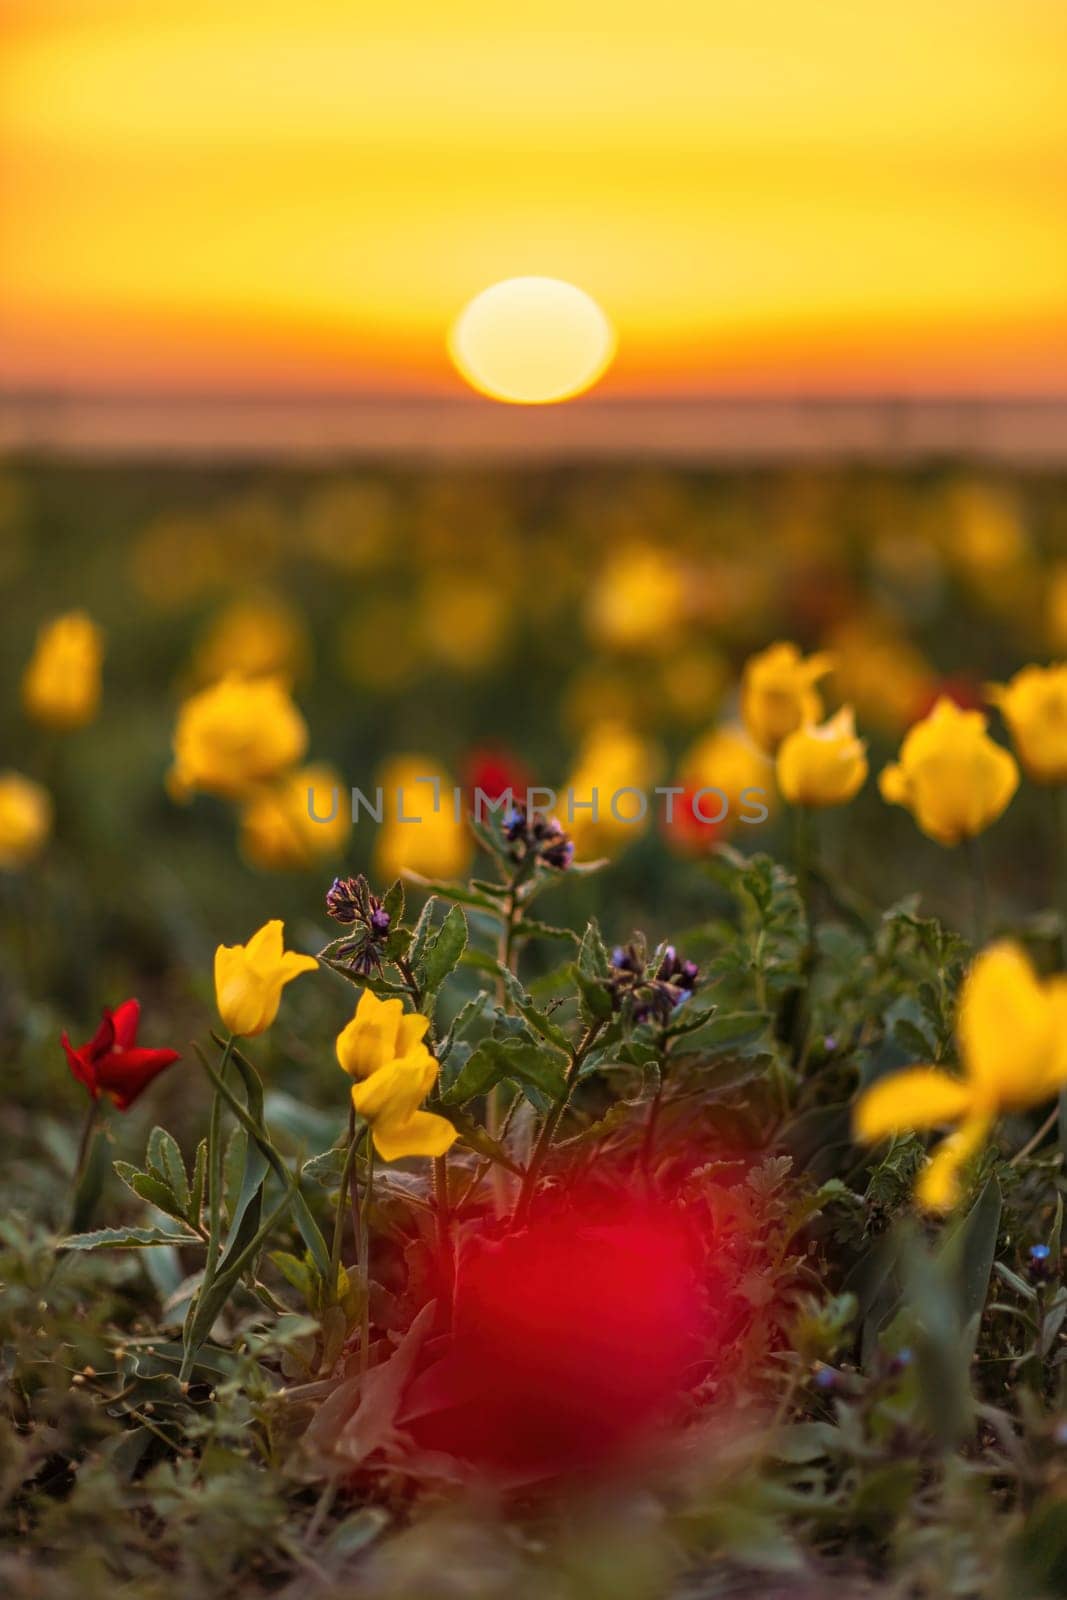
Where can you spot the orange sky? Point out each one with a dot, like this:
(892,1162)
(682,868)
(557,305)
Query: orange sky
(845,195)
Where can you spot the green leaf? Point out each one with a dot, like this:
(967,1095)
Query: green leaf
(443,952)
(196,1196)
(166,1157)
(517,1060)
(477,1139)
(127,1239)
(967,1255)
(326,1168)
(467,1013)
(458,893)
(148,1187)
(393,903)
(529,928)
(538,1020)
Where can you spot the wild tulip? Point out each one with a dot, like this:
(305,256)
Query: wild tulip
(727,761)
(778,693)
(950,775)
(382,1047)
(61,684)
(1034,706)
(1012,1034)
(822,764)
(25,820)
(112,1063)
(431,842)
(612,758)
(282,830)
(379,1032)
(240,733)
(389,1100)
(249,979)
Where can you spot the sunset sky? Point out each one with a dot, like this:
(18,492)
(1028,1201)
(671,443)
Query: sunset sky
(779,195)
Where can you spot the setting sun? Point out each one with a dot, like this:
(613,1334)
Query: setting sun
(532,341)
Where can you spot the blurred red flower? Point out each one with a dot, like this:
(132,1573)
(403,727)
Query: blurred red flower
(111,1062)
(494,770)
(573,1339)
(965,692)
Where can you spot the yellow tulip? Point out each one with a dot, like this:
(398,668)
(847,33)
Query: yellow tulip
(951,776)
(249,979)
(822,764)
(61,684)
(258,637)
(279,830)
(638,600)
(1012,1033)
(1034,705)
(239,733)
(778,693)
(380,1031)
(612,759)
(727,760)
(390,1099)
(463,620)
(25,820)
(433,844)
(880,672)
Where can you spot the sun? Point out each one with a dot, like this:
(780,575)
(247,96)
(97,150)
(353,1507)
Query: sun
(532,341)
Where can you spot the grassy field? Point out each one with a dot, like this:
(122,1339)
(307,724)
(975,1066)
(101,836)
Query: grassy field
(625,1272)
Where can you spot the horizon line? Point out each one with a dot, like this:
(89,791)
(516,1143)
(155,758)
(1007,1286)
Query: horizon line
(1020,430)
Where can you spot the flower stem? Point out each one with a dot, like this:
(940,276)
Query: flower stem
(979,890)
(364,1255)
(215,1170)
(342,1201)
(81,1161)
(552,1122)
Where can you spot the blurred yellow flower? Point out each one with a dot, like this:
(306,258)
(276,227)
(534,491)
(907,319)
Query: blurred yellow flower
(177,559)
(380,647)
(1034,705)
(379,1032)
(727,760)
(822,764)
(249,979)
(257,637)
(390,1099)
(880,672)
(689,684)
(348,523)
(637,601)
(435,845)
(612,758)
(985,531)
(238,733)
(304,817)
(463,618)
(25,820)
(61,684)
(1012,1032)
(951,776)
(1056,605)
(778,692)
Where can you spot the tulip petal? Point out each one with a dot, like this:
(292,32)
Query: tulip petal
(922,1097)
(938,1187)
(422,1134)
(1007,1029)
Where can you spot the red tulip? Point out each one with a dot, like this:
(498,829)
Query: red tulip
(111,1062)
(573,1340)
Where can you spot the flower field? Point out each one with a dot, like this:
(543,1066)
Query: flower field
(535,1033)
